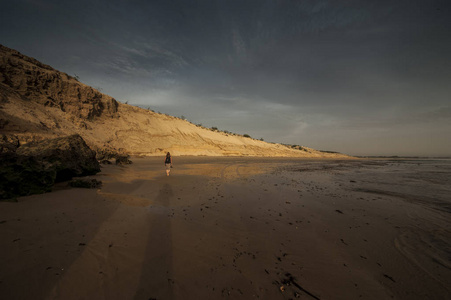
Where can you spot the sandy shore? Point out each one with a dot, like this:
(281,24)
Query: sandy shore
(235,228)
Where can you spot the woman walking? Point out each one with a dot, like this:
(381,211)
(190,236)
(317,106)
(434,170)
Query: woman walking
(168,163)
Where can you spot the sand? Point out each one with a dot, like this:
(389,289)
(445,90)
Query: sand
(38,102)
(237,228)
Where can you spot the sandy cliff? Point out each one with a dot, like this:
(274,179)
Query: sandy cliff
(38,102)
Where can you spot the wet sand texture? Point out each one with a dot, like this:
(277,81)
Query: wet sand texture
(235,228)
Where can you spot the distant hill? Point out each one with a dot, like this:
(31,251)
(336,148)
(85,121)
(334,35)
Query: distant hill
(38,102)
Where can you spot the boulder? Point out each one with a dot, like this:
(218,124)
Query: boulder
(69,156)
(8,144)
(22,176)
(123,160)
(106,152)
(35,167)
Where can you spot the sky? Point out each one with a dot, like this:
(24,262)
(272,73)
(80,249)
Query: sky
(358,77)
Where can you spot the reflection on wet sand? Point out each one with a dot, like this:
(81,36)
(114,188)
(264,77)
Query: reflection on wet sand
(237,227)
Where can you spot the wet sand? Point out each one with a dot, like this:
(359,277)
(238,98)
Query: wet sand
(237,228)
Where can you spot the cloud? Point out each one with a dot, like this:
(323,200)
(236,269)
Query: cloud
(394,119)
(321,73)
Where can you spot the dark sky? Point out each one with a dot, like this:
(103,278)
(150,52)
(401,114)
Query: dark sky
(358,77)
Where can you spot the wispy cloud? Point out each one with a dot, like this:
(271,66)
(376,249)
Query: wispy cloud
(323,72)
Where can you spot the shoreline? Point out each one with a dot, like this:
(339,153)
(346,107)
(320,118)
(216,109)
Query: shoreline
(242,227)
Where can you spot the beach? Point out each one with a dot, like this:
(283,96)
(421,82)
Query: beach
(237,228)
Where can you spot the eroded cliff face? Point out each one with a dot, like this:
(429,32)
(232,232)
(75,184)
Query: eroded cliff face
(35,81)
(38,102)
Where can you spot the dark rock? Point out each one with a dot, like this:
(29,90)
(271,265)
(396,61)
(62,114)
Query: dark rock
(107,153)
(35,167)
(85,183)
(22,176)
(69,156)
(123,160)
(8,143)
(105,162)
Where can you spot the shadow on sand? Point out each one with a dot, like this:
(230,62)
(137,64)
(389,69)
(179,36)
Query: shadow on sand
(156,280)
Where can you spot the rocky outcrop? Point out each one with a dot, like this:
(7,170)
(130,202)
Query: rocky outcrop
(69,156)
(123,160)
(38,102)
(35,167)
(8,144)
(22,176)
(38,82)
